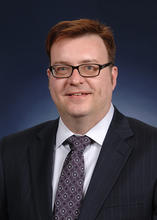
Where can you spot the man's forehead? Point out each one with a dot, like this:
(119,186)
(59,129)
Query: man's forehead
(87,48)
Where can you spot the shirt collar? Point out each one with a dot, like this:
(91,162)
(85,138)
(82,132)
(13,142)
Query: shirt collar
(62,133)
(97,133)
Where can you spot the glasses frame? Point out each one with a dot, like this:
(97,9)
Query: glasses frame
(52,68)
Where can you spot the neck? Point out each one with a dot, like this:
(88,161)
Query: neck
(81,125)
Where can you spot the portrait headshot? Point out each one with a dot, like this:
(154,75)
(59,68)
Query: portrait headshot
(78,119)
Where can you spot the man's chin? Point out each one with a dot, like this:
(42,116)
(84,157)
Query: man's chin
(73,112)
(78,115)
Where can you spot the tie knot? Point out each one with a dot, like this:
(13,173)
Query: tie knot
(78,143)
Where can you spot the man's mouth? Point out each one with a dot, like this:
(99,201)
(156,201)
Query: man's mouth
(78,94)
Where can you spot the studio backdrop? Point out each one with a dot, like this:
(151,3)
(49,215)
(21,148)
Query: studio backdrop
(24,95)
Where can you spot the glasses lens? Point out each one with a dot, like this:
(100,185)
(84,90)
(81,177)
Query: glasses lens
(89,69)
(62,71)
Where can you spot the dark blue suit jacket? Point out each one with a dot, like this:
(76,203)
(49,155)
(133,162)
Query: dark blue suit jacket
(123,185)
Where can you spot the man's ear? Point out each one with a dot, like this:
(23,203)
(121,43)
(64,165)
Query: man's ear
(114,73)
(49,74)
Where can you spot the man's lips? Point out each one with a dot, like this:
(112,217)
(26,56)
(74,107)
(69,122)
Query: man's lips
(78,94)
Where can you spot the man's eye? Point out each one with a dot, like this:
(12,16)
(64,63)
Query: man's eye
(61,68)
(90,68)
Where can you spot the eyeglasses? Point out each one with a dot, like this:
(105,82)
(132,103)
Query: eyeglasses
(85,70)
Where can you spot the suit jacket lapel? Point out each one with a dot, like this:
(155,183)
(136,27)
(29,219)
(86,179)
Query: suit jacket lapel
(41,160)
(113,156)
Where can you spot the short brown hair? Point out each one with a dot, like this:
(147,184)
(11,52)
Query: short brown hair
(76,28)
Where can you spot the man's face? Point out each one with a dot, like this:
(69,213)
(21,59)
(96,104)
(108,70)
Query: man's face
(76,96)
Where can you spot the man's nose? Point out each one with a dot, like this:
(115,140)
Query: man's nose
(76,78)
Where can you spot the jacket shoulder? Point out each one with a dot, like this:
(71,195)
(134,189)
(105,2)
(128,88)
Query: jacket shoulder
(141,126)
(27,134)
(139,129)
(144,134)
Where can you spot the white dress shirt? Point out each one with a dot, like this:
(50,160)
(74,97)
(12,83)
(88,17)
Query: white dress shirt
(91,153)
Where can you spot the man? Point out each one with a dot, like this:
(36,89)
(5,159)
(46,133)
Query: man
(116,168)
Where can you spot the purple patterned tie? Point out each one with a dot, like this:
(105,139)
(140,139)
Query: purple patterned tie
(70,187)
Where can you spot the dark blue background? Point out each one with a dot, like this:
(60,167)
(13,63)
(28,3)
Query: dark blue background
(24,95)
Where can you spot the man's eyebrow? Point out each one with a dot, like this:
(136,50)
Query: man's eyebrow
(89,61)
(61,62)
(80,62)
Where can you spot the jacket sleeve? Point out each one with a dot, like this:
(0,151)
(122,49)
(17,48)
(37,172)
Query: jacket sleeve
(155,203)
(3,206)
